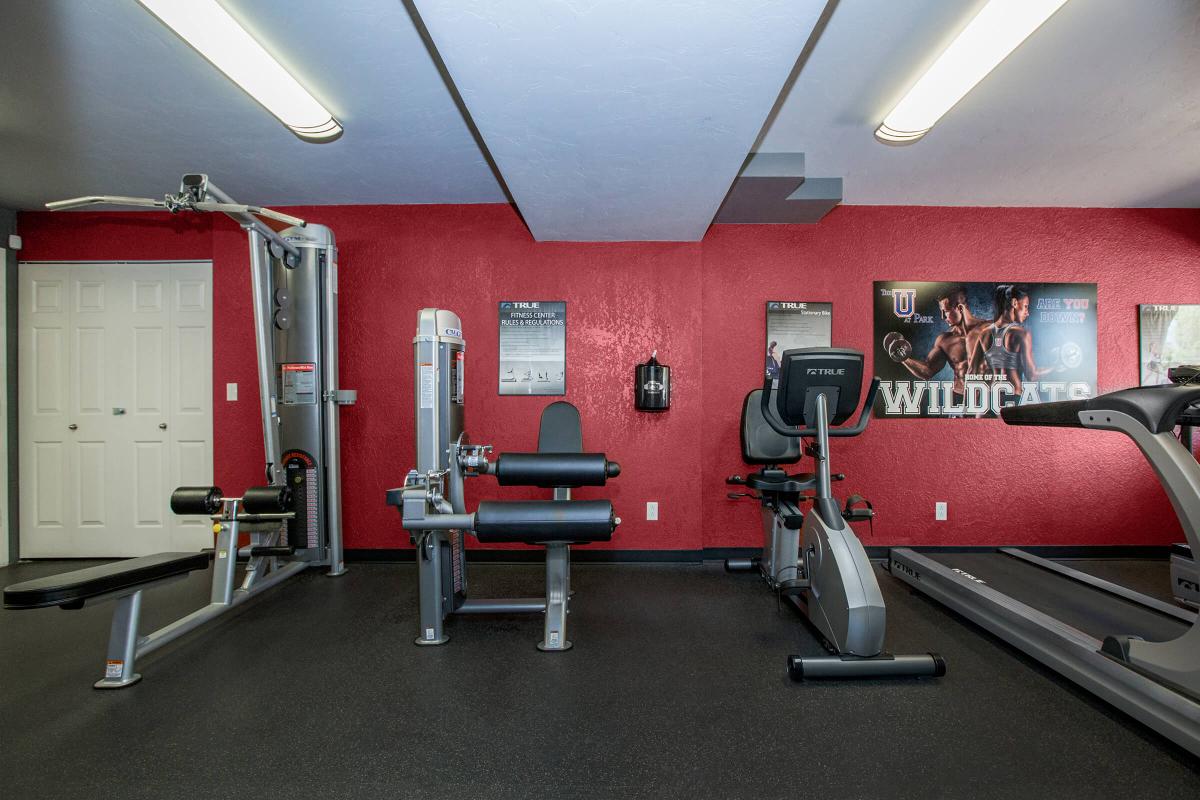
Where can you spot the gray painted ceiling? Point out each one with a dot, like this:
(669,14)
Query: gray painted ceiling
(619,120)
(99,97)
(1101,107)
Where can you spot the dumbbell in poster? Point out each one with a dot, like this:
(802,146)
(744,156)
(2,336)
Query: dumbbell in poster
(793,324)
(965,350)
(533,347)
(1168,335)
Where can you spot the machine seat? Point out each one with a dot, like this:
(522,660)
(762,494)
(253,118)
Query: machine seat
(1157,407)
(760,443)
(71,589)
(542,521)
(780,481)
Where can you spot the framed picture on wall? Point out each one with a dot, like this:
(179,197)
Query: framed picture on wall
(792,324)
(964,350)
(1168,335)
(533,347)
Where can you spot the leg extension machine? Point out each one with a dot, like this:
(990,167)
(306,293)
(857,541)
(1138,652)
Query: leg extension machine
(431,501)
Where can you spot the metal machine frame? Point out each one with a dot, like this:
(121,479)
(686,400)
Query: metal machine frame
(294,278)
(432,500)
(293,270)
(264,569)
(1157,683)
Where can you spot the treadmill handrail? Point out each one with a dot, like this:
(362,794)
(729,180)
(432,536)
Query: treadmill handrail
(1157,408)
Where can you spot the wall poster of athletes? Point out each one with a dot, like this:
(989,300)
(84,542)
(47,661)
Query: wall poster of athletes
(1168,335)
(964,350)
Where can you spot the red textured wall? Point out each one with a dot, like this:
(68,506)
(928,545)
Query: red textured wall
(1004,485)
(701,306)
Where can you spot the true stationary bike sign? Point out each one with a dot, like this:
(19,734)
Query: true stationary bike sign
(533,347)
(960,350)
(795,324)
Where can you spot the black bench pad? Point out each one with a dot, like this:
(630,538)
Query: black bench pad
(72,588)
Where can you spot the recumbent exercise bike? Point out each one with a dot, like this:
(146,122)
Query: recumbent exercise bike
(814,559)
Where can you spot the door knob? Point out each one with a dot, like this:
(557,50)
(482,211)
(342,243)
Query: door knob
(162,426)
(73,426)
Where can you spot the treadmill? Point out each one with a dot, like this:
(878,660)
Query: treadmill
(1136,652)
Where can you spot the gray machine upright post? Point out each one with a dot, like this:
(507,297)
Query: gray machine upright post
(331,398)
(844,600)
(438,350)
(558,590)
(260,280)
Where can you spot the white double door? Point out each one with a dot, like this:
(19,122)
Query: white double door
(115,406)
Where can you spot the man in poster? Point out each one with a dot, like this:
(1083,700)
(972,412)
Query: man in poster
(989,345)
(949,347)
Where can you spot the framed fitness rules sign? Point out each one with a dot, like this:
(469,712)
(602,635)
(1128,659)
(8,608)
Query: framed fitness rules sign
(533,347)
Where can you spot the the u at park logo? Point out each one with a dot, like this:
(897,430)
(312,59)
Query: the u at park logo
(904,302)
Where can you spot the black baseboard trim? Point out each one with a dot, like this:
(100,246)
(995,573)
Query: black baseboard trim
(579,555)
(582,555)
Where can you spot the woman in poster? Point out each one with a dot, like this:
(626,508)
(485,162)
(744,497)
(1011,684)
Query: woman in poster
(1004,348)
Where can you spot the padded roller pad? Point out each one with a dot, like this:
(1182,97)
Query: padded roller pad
(539,521)
(267,500)
(70,589)
(554,470)
(204,500)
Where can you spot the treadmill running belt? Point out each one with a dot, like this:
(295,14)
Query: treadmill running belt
(1090,610)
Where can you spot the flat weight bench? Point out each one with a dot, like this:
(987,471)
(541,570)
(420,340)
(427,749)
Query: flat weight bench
(70,590)
(123,581)
(260,511)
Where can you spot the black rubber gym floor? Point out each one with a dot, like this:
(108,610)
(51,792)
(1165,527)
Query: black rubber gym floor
(675,688)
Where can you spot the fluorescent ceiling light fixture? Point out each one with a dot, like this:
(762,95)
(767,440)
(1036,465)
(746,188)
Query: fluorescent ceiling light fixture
(209,28)
(987,40)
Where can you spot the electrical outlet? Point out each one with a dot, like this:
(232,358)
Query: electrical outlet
(652,510)
(939,511)
(231,392)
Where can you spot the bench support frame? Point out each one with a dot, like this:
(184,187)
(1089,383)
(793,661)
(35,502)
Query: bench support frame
(125,646)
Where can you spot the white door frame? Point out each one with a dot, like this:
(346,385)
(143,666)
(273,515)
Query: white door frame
(23,268)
